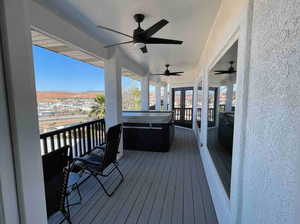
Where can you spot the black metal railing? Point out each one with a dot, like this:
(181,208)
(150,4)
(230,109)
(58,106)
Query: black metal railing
(82,138)
(222,108)
(211,115)
(183,114)
(186,114)
(198,118)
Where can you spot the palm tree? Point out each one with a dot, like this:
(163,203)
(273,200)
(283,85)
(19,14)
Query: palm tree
(99,109)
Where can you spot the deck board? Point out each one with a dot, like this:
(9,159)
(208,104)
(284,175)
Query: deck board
(159,187)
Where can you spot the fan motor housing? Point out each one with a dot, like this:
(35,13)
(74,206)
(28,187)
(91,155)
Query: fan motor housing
(139,17)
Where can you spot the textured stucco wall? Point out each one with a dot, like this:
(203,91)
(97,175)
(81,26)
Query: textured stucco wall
(272,147)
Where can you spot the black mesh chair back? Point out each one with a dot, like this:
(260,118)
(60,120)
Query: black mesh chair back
(112,145)
(55,179)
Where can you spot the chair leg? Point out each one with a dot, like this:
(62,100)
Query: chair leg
(68,206)
(74,187)
(78,191)
(109,194)
(67,217)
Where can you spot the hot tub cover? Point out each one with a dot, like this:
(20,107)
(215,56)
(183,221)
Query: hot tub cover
(147,117)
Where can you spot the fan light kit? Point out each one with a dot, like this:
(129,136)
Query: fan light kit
(141,37)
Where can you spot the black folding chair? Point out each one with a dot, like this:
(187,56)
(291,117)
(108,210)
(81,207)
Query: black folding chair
(98,162)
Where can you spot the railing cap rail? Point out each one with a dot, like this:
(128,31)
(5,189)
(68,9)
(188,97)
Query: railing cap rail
(55,132)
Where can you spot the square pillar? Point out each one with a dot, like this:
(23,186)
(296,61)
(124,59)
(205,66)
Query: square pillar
(165,97)
(113,94)
(204,111)
(23,156)
(229,95)
(158,97)
(195,101)
(145,93)
(217,108)
(170,98)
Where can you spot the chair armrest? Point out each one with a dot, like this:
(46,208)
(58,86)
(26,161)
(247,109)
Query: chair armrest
(86,161)
(103,146)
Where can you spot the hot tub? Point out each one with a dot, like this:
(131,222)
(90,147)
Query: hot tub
(148,130)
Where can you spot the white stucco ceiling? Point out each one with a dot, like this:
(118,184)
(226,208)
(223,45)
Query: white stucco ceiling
(189,20)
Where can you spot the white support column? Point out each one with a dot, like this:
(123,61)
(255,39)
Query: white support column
(145,93)
(158,97)
(166,97)
(204,111)
(113,93)
(195,101)
(229,95)
(217,107)
(21,104)
(170,98)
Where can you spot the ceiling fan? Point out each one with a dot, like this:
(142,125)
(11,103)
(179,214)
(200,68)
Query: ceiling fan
(231,70)
(168,73)
(141,37)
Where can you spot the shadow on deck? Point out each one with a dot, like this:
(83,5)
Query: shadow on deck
(158,188)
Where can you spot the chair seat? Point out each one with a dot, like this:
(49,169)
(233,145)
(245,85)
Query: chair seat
(73,179)
(91,161)
(98,152)
(94,158)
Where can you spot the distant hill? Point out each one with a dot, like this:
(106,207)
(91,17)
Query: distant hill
(50,95)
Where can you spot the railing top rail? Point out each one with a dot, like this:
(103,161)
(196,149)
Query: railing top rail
(147,111)
(55,132)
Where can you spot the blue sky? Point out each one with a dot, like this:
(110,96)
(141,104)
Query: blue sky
(56,72)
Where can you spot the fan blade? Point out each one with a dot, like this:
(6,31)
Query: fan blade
(158,74)
(222,71)
(176,74)
(171,73)
(156,27)
(112,30)
(112,45)
(144,49)
(154,40)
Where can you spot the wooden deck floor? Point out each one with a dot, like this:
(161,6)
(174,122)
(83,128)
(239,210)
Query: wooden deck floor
(158,188)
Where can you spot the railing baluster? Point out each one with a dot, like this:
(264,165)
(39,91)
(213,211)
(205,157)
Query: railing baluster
(64,138)
(58,140)
(80,141)
(103,131)
(45,145)
(75,142)
(52,143)
(93,135)
(89,138)
(84,139)
(98,133)
(70,142)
